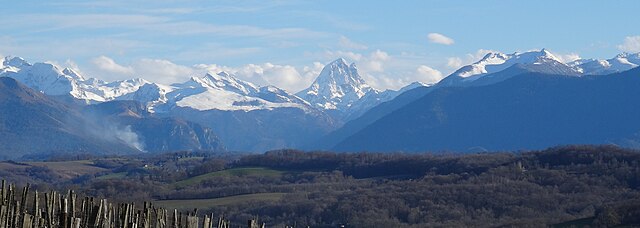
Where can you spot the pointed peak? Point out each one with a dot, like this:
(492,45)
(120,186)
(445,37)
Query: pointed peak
(532,57)
(339,61)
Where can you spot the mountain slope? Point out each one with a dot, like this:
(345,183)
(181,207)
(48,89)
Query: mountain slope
(244,116)
(340,91)
(32,123)
(250,117)
(373,114)
(492,68)
(155,134)
(528,111)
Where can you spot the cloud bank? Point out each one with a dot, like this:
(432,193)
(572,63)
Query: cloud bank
(630,44)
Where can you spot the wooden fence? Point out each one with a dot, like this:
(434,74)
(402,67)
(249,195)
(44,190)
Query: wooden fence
(56,210)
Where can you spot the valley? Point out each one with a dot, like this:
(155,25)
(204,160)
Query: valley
(325,189)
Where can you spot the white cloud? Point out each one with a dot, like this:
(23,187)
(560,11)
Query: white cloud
(73,66)
(162,71)
(480,53)
(283,76)
(375,62)
(332,55)
(630,44)
(166,72)
(109,65)
(379,68)
(383,70)
(566,57)
(154,70)
(454,62)
(157,25)
(440,39)
(428,75)
(345,42)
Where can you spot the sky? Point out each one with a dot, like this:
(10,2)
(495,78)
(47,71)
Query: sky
(286,43)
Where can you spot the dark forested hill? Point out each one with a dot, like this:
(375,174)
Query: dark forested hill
(32,123)
(528,111)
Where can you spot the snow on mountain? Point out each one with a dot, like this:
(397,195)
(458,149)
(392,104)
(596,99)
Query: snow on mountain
(226,82)
(112,90)
(491,64)
(151,94)
(228,93)
(14,64)
(52,80)
(340,91)
(337,87)
(495,62)
(619,63)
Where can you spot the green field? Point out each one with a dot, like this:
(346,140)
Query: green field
(247,171)
(70,169)
(208,203)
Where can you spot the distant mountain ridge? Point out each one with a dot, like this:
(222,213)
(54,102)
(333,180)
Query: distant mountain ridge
(492,68)
(243,116)
(32,123)
(527,111)
(248,117)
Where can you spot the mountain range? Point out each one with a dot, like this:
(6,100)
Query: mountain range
(492,68)
(244,116)
(339,110)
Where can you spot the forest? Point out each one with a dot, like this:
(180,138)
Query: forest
(560,186)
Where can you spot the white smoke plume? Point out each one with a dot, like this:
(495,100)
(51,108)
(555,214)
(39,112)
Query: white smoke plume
(129,137)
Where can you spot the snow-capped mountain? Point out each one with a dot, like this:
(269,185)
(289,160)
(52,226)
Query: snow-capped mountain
(227,93)
(54,81)
(619,63)
(533,61)
(249,117)
(340,91)
(337,87)
(246,117)
(257,118)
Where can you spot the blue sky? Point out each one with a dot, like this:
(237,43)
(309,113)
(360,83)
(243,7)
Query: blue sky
(285,43)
